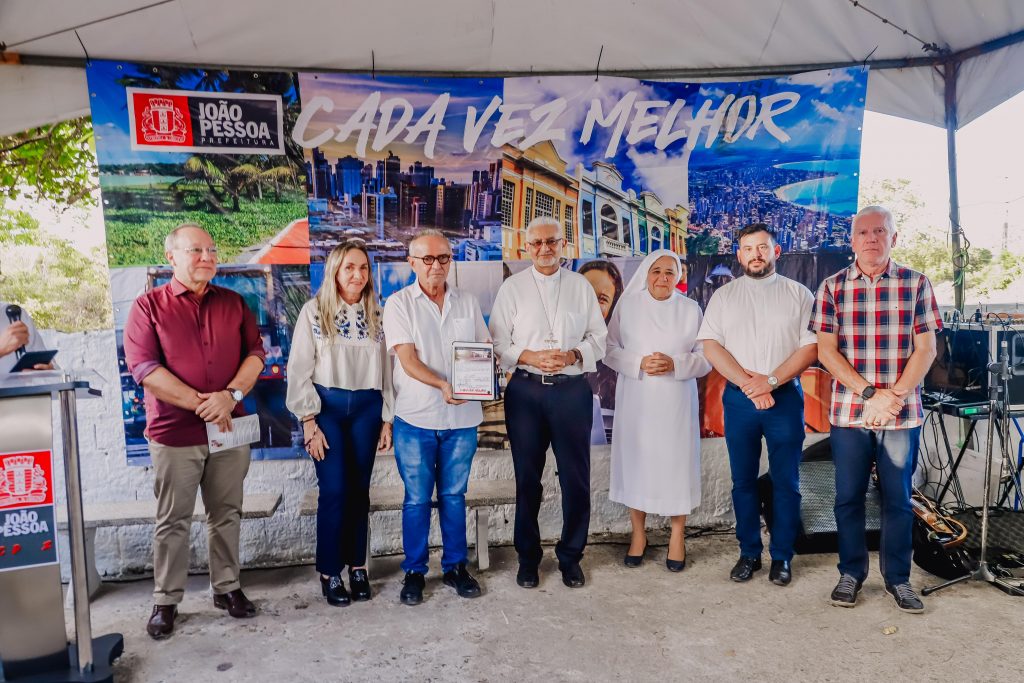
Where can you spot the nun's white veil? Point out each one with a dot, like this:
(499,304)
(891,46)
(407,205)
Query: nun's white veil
(638,282)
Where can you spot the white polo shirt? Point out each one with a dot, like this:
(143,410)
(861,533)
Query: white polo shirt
(410,317)
(761,322)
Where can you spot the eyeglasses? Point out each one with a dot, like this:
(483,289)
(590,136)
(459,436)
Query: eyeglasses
(550,242)
(196,251)
(428,260)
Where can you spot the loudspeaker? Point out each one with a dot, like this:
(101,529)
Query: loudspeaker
(818,532)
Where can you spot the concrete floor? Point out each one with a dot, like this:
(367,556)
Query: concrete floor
(627,624)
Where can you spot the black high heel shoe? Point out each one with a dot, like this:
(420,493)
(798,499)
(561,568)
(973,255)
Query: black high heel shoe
(634,561)
(676,565)
(359,582)
(334,590)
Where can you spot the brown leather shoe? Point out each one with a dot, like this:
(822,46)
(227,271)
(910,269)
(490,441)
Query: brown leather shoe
(161,622)
(235,602)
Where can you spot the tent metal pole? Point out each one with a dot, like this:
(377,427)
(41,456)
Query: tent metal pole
(682,73)
(949,73)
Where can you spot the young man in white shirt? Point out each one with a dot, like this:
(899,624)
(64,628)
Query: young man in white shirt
(435,435)
(755,335)
(548,331)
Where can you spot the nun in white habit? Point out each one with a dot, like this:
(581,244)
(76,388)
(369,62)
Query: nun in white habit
(652,344)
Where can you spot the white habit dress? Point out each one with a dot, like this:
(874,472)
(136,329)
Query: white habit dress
(656,436)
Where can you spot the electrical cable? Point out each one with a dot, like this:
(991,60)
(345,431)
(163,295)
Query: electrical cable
(926,46)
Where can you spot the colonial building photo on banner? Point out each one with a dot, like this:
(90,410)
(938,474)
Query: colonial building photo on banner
(280,168)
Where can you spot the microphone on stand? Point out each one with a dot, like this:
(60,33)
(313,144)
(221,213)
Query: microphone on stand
(14,315)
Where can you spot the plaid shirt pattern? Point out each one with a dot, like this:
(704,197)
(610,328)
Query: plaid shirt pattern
(876,322)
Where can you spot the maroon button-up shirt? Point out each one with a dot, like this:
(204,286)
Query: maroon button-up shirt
(201,340)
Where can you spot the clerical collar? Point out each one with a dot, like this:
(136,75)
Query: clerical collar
(541,277)
(761,281)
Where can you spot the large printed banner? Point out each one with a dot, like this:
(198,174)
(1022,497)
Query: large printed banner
(280,168)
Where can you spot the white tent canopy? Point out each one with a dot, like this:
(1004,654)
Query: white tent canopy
(680,38)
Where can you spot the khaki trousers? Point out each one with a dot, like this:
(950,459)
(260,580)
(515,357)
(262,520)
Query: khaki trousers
(180,472)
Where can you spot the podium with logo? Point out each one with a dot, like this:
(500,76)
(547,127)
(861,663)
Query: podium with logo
(34,643)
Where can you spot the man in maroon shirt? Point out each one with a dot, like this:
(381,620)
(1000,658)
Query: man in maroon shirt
(196,350)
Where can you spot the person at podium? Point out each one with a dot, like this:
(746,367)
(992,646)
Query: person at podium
(17,334)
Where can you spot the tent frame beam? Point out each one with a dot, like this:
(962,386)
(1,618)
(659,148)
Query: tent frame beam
(948,65)
(643,74)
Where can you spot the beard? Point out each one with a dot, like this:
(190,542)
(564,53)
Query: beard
(766,269)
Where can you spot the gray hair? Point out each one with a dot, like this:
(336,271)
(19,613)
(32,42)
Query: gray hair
(890,222)
(429,232)
(171,241)
(543,222)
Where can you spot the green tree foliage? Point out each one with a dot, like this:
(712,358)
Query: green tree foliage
(60,286)
(53,163)
(701,244)
(926,247)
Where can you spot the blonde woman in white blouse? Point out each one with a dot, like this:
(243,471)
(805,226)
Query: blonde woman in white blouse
(339,386)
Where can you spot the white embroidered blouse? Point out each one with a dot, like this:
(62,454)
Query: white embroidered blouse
(353,360)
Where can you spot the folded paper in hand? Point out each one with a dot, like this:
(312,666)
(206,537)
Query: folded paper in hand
(244,430)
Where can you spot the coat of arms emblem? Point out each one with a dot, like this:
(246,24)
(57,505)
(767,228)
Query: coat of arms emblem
(162,121)
(22,481)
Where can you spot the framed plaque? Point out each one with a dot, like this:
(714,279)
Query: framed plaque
(473,371)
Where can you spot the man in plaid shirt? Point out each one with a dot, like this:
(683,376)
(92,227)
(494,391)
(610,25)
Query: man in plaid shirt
(876,323)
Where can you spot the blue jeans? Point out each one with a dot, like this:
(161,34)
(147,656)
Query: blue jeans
(351,423)
(782,427)
(429,457)
(894,455)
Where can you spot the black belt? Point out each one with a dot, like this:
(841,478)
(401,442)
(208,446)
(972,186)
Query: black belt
(548,380)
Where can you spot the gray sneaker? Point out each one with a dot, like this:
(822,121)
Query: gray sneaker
(906,598)
(845,592)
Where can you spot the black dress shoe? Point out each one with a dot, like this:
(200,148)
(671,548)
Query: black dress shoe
(235,602)
(334,590)
(528,577)
(634,561)
(572,575)
(359,582)
(744,568)
(161,621)
(781,573)
(412,588)
(462,581)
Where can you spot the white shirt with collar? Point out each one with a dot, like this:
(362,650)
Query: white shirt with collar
(760,321)
(35,342)
(531,307)
(410,317)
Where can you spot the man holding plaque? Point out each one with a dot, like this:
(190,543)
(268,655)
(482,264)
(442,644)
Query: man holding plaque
(548,331)
(434,432)
(196,350)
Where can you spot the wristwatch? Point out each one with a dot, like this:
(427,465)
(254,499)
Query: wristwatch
(578,356)
(868,392)
(236,394)
(773,381)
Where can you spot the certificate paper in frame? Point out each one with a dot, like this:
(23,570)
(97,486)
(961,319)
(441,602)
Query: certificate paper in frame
(473,371)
